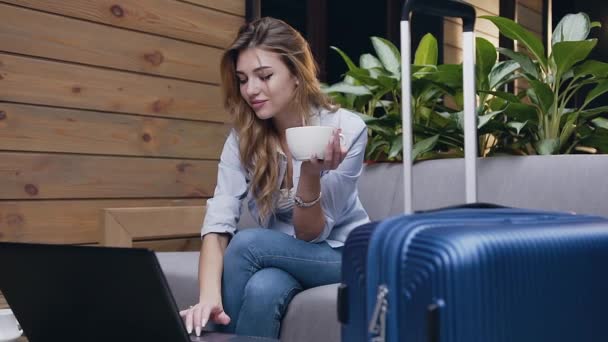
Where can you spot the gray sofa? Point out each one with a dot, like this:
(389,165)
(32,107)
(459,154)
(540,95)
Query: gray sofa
(565,183)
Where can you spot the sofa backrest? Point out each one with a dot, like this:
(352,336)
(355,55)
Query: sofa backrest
(577,183)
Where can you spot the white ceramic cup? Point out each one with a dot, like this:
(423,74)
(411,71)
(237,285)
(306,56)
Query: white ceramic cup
(9,327)
(307,141)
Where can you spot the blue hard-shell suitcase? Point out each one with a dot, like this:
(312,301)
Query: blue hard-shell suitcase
(351,293)
(488,275)
(475,273)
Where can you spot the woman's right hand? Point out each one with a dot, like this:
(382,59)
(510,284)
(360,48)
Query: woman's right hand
(197,316)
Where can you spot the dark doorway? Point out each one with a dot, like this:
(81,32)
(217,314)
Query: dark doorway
(348,25)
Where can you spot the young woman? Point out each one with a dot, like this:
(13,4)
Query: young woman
(304,210)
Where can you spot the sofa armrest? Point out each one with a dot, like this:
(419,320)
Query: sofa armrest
(121,226)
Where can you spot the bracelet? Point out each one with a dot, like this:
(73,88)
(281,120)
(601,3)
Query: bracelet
(298,201)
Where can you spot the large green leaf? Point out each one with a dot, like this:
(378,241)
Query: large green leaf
(396,147)
(600,122)
(424,146)
(518,126)
(427,51)
(572,27)
(567,129)
(596,92)
(503,95)
(517,32)
(389,83)
(350,80)
(448,74)
(592,68)
(347,89)
(522,112)
(376,147)
(541,95)
(368,118)
(598,140)
(484,119)
(592,113)
(347,60)
(501,72)
(378,128)
(388,54)
(485,60)
(364,77)
(524,61)
(567,54)
(368,61)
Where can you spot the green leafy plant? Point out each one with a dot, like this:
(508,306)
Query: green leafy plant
(373,88)
(554,79)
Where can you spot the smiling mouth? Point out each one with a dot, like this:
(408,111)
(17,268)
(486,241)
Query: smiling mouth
(258,104)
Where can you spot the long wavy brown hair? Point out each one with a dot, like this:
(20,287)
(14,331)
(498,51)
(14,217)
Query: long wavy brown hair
(258,139)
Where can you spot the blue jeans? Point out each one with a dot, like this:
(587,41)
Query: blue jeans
(264,270)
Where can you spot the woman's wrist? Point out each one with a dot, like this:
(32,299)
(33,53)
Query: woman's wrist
(205,296)
(309,170)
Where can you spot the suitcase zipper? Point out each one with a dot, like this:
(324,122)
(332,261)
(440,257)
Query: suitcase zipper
(377,325)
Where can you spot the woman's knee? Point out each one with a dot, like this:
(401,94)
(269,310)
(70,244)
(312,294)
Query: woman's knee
(271,289)
(240,250)
(243,239)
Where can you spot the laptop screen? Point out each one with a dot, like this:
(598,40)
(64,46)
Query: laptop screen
(77,293)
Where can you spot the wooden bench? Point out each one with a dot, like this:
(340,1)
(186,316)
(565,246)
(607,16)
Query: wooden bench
(157,228)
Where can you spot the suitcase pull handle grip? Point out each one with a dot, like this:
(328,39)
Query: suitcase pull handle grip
(442,8)
(467,13)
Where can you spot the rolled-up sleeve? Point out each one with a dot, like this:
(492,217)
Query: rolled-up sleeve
(339,186)
(224,209)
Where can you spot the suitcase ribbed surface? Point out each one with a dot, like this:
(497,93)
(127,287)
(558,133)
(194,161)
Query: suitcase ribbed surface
(530,278)
(527,283)
(353,276)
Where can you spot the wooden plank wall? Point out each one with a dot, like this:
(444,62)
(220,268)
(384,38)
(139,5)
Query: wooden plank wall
(107,104)
(452,30)
(528,13)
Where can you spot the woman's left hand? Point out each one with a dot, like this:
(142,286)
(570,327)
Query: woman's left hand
(334,155)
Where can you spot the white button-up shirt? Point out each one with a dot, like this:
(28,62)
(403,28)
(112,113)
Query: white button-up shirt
(340,201)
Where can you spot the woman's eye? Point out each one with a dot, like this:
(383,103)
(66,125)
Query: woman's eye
(241,81)
(266,78)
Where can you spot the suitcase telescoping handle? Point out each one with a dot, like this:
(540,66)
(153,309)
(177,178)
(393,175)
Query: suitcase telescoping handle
(443,8)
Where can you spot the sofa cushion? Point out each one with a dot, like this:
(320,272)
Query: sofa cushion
(312,316)
(559,183)
(181,271)
(315,307)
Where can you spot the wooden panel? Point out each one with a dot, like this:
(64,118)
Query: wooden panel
(491,6)
(39,34)
(171,245)
(491,39)
(37,81)
(536,5)
(236,7)
(65,221)
(45,176)
(452,55)
(481,25)
(530,19)
(3,303)
(452,34)
(168,18)
(124,225)
(33,128)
